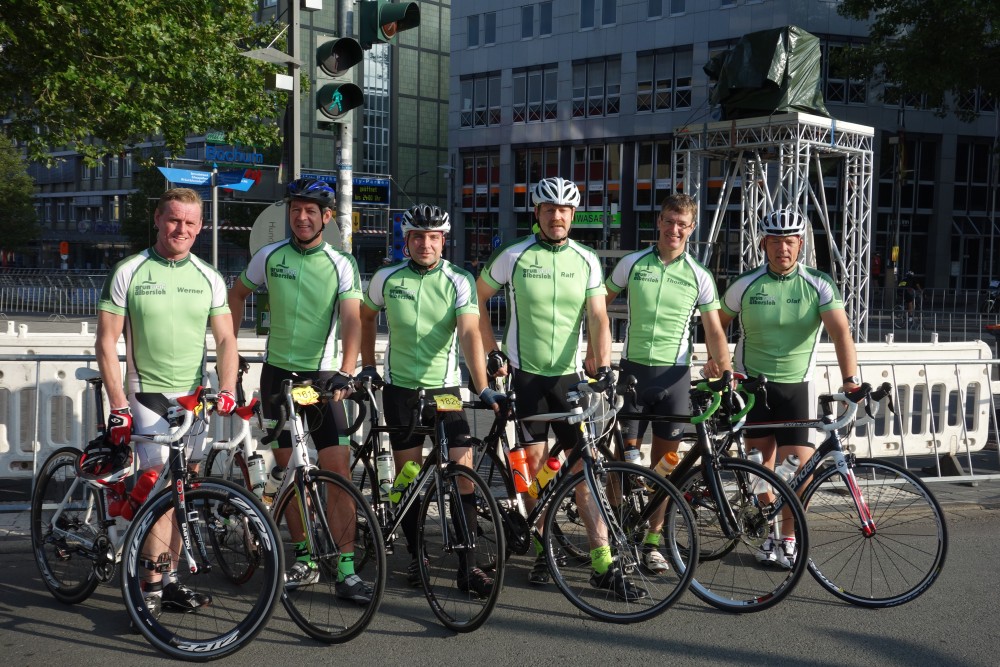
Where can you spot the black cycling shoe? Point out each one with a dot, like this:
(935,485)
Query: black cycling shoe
(413,573)
(178,597)
(354,589)
(539,575)
(477,582)
(614,580)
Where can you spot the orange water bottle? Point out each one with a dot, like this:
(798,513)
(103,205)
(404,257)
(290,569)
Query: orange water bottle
(519,468)
(545,475)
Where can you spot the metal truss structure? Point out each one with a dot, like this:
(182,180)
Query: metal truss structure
(788,160)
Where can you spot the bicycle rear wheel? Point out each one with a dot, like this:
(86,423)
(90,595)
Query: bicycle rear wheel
(466,536)
(228,465)
(318,607)
(904,555)
(236,612)
(62,545)
(628,490)
(736,577)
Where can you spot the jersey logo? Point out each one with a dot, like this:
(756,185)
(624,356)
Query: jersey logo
(645,276)
(281,270)
(762,298)
(536,271)
(401,293)
(150,287)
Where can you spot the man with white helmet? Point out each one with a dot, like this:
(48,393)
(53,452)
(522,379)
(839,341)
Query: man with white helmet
(550,280)
(431,310)
(781,306)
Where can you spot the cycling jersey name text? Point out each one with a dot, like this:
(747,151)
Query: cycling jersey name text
(535,271)
(402,293)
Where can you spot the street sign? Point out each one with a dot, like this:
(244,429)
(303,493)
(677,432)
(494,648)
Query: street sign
(496,242)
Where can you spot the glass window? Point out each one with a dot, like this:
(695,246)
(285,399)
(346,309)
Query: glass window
(586,14)
(127,162)
(535,96)
(466,119)
(113,166)
(654,9)
(545,18)
(472,30)
(579,90)
(595,89)
(677,6)
(490,28)
(609,12)
(527,21)
(480,101)
(518,97)
(494,101)
(550,94)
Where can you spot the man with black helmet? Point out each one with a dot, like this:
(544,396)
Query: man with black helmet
(314,294)
(431,310)
(551,281)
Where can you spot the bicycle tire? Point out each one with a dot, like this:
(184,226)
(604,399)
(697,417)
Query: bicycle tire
(316,608)
(231,466)
(734,580)
(440,568)
(67,570)
(237,612)
(904,556)
(228,465)
(638,484)
(496,476)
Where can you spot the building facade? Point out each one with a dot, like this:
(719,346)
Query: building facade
(593,90)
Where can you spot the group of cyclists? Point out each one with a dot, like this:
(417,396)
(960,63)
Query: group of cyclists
(323,322)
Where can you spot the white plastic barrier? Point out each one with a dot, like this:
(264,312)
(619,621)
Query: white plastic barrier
(943,394)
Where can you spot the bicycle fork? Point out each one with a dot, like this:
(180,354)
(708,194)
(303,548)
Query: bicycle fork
(850,479)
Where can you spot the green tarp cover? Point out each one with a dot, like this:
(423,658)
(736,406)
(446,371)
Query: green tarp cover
(770,71)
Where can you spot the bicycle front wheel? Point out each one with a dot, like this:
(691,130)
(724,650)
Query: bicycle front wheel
(737,573)
(233,613)
(461,540)
(339,524)
(65,526)
(628,591)
(904,553)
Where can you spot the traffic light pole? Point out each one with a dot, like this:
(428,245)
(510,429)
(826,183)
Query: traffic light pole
(293,113)
(345,155)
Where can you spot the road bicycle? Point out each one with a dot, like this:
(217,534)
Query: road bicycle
(878,534)
(302,507)
(616,494)
(446,540)
(732,515)
(77,544)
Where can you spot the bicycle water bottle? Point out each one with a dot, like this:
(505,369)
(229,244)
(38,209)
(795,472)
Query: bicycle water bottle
(665,466)
(519,469)
(632,455)
(257,474)
(274,481)
(403,479)
(126,506)
(786,471)
(545,475)
(760,484)
(386,470)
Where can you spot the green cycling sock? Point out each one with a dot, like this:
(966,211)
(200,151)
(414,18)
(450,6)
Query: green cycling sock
(302,552)
(345,567)
(600,559)
(538,545)
(652,538)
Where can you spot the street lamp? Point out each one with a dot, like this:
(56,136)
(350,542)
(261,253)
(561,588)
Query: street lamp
(406,183)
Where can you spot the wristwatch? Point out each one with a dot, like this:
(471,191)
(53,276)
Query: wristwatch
(852,379)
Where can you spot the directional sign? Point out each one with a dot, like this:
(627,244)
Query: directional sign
(186,176)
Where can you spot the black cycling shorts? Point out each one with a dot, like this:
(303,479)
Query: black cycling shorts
(397,408)
(327,422)
(676,380)
(786,401)
(538,394)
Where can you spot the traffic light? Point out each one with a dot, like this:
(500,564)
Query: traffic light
(381,20)
(336,92)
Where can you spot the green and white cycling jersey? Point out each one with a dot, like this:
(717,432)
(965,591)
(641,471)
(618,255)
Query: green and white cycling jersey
(547,287)
(167,305)
(305,288)
(661,302)
(422,309)
(779,320)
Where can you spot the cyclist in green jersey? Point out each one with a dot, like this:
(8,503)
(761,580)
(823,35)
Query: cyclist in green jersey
(162,299)
(550,282)
(665,286)
(431,310)
(781,307)
(314,294)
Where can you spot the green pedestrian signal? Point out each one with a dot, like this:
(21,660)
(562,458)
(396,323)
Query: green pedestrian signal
(381,20)
(337,93)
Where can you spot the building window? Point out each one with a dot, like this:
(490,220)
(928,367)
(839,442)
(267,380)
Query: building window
(677,7)
(527,21)
(113,166)
(85,172)
(99,170)
(839,88)
(654,9)
(652,174)
(586,14)
(530,166)
(977,101)
(972,177)
(663,81)
(481,182)
(490,28)
(597,88)
(545,18)
(480,101)
(609,12)
(61,212)
(472,31)
(724,4)
(127,164)
(534,95)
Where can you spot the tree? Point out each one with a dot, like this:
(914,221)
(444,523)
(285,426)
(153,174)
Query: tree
(18,224)
(944,49)
(137,223)
(120,71)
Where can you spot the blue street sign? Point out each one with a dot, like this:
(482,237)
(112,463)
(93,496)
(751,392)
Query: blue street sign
(496,242)
(186,176)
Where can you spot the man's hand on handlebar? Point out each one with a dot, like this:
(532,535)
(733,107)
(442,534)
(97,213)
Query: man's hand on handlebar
(340,385)
(497,364)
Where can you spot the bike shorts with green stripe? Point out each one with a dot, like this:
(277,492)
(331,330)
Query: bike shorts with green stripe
(327,422)
(538,394)
(676,380)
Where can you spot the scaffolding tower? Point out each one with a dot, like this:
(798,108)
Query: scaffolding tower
(788,160)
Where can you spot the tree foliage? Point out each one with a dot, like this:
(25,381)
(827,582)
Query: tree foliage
(941,48)
(121,71)
(18,224)
(137,222)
